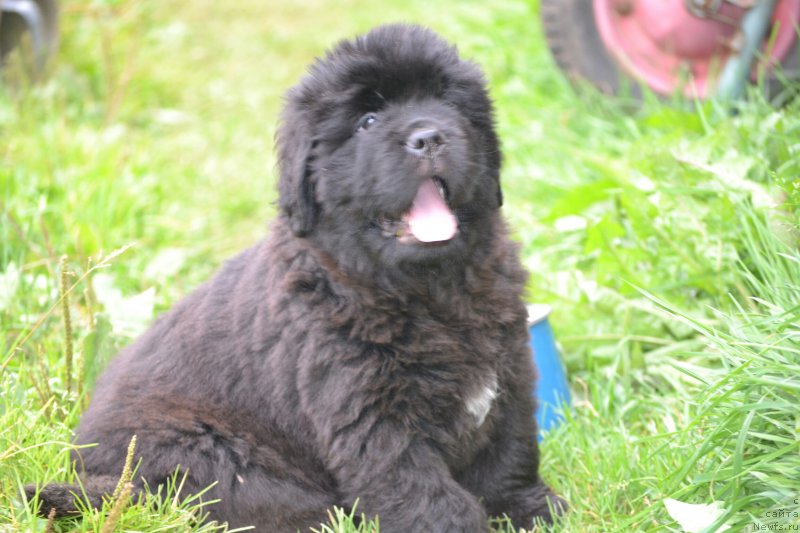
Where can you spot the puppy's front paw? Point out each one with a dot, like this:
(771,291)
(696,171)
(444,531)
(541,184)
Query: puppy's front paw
(436,512)
(467,521)
(536,502)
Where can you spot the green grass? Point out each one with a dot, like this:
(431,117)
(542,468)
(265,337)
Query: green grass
(665,238)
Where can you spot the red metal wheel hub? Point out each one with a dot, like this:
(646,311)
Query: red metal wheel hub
(663,45)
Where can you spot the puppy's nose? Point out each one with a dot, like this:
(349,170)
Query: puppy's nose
(425,141)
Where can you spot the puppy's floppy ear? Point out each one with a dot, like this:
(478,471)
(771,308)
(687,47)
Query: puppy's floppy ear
(495,160)
(499,195)
(472,96)
(296,185)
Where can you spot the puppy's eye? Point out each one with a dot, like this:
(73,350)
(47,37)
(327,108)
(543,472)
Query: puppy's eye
(366,121)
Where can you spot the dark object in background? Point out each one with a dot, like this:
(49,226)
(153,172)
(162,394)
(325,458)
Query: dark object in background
(373,347)
(698,48)
(34,22)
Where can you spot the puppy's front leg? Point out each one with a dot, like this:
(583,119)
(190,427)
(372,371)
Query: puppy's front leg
(403,480)
(505,475)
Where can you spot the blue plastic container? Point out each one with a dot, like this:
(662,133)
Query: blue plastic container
(552,390)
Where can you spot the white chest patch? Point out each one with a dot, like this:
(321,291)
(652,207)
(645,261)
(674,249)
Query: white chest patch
(480,404)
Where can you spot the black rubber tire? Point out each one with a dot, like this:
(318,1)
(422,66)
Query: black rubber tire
(12,28)
(577,48)
(573,39)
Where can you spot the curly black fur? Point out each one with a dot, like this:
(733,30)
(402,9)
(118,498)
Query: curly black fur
(331,361)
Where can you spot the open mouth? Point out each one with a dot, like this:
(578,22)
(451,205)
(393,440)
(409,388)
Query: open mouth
(430,219)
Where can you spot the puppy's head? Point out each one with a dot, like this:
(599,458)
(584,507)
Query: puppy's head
(388,147)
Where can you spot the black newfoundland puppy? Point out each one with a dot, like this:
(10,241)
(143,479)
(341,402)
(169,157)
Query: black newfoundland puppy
(374,347)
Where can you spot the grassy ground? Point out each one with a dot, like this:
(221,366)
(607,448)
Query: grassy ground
(665,239)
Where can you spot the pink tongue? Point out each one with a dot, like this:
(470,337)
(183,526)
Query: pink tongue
(430,220)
